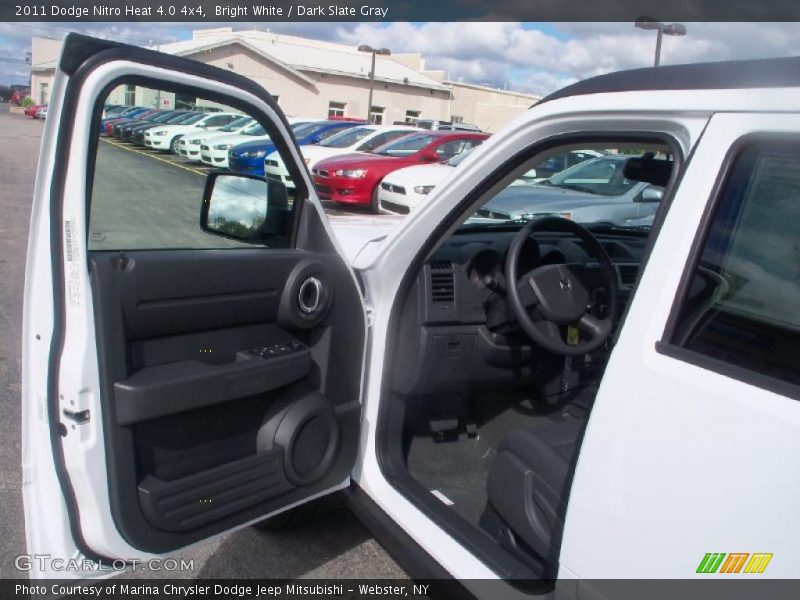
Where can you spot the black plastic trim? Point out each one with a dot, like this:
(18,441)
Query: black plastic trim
(735,74)
(389,459)
(187,385)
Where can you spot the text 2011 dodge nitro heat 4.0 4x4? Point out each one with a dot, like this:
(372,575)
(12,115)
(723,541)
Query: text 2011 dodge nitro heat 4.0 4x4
(508,400)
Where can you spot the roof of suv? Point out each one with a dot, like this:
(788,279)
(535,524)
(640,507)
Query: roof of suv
(736,74)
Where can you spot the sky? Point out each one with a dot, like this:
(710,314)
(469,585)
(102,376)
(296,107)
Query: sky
(527,57)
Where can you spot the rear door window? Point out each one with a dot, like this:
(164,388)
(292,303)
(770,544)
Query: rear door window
(742,306)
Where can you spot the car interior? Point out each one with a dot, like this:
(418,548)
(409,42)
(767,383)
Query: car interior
(501,339)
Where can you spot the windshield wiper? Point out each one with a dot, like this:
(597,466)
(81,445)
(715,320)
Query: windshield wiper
(608,227)
(578,188)
(510,225)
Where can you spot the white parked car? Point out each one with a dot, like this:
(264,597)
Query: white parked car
(520,406)
(215,154)
(357,139)
(403,190)
(189,146)
(166,137)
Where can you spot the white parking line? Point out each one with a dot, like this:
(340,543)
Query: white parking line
(143,153)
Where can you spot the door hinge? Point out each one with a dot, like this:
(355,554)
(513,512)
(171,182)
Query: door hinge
(79,417)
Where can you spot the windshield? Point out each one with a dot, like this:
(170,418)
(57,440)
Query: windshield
(193,119)
(179,118)
(456,160)
(234,125)
(603,176)
(257,129)
(595,193)
(160,117)
(307,129)
(346,138)
(406,146)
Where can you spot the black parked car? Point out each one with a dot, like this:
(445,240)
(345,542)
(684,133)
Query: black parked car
(124,131)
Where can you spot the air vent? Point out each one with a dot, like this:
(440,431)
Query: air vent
(627,274)
(441,265)
(442,287)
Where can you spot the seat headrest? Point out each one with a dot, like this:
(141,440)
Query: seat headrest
(650,170)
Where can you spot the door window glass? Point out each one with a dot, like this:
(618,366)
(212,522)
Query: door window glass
(146,195)
(743,303)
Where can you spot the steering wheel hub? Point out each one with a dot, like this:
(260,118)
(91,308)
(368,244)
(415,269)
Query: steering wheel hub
(562,297)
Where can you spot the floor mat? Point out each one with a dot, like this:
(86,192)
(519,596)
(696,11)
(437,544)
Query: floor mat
(457,470)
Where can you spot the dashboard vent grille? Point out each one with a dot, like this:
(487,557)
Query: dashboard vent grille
(442,287)
(627,274)
(441,265)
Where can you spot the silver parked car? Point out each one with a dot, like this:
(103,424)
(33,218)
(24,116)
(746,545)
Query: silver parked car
(614,188)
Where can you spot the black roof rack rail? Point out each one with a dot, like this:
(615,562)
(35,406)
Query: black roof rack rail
(734,74)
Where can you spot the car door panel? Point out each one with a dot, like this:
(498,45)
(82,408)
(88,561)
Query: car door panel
(188,393)
(189,399)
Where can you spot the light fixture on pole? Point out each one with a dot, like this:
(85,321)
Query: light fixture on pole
(373,51)
(662,29)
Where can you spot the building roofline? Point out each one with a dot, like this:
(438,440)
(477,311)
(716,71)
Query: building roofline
(227,42)
(489,88)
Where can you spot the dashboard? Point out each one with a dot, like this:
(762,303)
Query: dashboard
(456,325)
(463,273)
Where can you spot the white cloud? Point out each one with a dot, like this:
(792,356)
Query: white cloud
(501,54)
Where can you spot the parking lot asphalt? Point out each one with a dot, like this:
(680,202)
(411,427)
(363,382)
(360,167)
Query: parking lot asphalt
(336,546)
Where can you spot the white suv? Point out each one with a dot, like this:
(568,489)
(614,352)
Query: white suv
(505,402)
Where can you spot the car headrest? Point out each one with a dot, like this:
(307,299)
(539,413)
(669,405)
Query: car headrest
(650,170)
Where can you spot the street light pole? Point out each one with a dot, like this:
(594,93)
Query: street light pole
(659,37)
(676,29)
(374,52)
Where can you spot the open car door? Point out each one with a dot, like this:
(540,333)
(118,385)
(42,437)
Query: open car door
(193,344)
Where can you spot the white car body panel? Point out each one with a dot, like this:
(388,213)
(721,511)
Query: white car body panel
(380,274)
(192,150)
(627,473)
(214,157)
(47,523)
(408,178)
(651,453)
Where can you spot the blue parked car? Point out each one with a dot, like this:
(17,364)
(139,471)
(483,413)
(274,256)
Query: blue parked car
(249,157)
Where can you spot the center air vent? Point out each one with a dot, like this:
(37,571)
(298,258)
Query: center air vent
(441,265)
(442,287)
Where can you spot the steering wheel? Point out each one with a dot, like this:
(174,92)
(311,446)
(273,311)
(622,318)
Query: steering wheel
(561,294)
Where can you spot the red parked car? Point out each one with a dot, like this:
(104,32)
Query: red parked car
(354,178)
(31,110)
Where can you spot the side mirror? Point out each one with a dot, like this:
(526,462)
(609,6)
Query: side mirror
(652,194)
(246,208)
(429,156)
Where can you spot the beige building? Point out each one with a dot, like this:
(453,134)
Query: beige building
(316,79)
(487,107)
